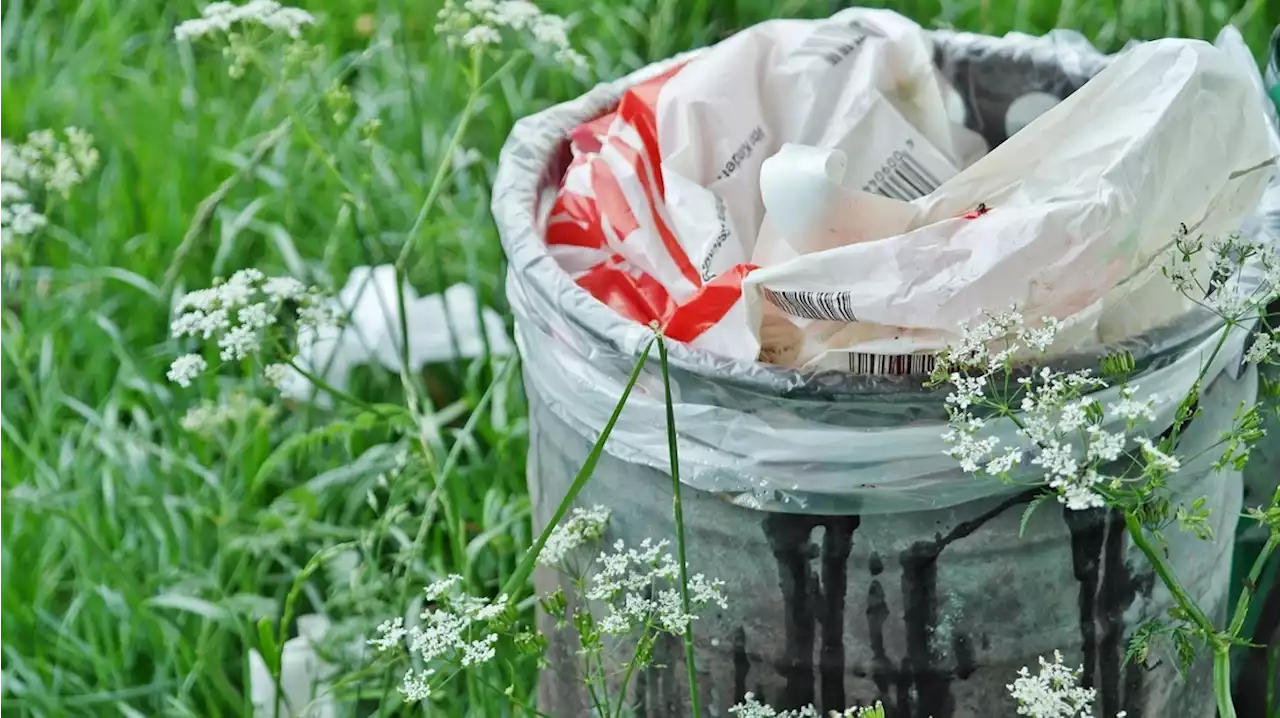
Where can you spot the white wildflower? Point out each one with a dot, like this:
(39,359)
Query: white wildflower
(450,632)
(390,634)
(237,312)
(11,192)
(1003,463)
(1054,692)
(969,450)
(1078,496)
(46,159)
(480,36)
(208,416)
(441,587)
(1130,409)
(185,368)
(1075,414)
(277,374)
(627,580)
(1104,445)
(256,316)
(1042,338)
(416,685)
(1157,459)
(21,219)
(480,23)
(968,390)
(582,526)
(1264,347)
(1057,459)
(703,591)
(751,708)
(221,17)
(238,343)
(281,289)
(480,651)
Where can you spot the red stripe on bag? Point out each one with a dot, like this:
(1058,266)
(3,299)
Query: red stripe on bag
(706,308)
(639,298)
(669,241)
(637,110)
(575,220)
(610,201)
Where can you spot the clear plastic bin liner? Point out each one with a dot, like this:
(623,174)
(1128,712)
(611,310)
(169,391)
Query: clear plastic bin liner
(777,439)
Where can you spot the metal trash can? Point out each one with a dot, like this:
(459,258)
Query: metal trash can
(860,563)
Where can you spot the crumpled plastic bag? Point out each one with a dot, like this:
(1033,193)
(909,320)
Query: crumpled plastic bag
(910,231)
(441,327)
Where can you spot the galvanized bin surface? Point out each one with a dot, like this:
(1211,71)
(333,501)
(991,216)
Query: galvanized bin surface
(861,564)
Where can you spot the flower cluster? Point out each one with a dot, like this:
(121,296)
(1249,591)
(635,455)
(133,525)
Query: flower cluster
(45,161)
(1054,692)
(237,313)
(454,630)
(752,708)
(220,17)
(1265,348)
(210,416)
(582,526)
(236,23)
(1219,283)
(480,23)
(640,588)
(1052,410)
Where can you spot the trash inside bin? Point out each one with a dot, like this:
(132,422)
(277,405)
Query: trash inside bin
(861,563)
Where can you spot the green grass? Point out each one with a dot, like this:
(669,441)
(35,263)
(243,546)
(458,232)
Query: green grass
(138,558)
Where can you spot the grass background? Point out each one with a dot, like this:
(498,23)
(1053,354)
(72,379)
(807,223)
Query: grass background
(139,557)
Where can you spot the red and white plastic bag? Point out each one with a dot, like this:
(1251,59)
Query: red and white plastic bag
(878,227)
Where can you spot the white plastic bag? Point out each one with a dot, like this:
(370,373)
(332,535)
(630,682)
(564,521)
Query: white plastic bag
(1067,218)
(884,227)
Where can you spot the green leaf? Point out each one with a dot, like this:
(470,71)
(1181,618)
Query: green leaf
(267,644)
(1140,645)
(1117,366)
(190,604)
(1031,507)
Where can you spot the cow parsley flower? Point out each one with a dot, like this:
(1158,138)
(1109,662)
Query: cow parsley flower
(185,368)
(209,416)
(1054,692)
(54,162)
(1265,347)
(1157,459)
(1054,412)
(752,708)
(220,17)
(277,374)
(582,526)
(241,313)
(481,23)
(640,587)
(454,629)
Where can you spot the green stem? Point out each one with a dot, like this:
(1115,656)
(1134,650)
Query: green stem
(446,160)
(1222,681)
(336,392)
(631,666)
(517,579)
(1181,421)
(1251,585)
(690,666)
(1221,649)
(1165,571)
(286,615)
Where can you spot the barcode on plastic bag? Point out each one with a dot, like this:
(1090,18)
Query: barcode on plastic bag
(892,364)
(903,177)
(831,306)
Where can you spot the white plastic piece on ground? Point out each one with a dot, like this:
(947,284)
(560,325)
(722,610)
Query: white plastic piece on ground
(304,676)
(441,327)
